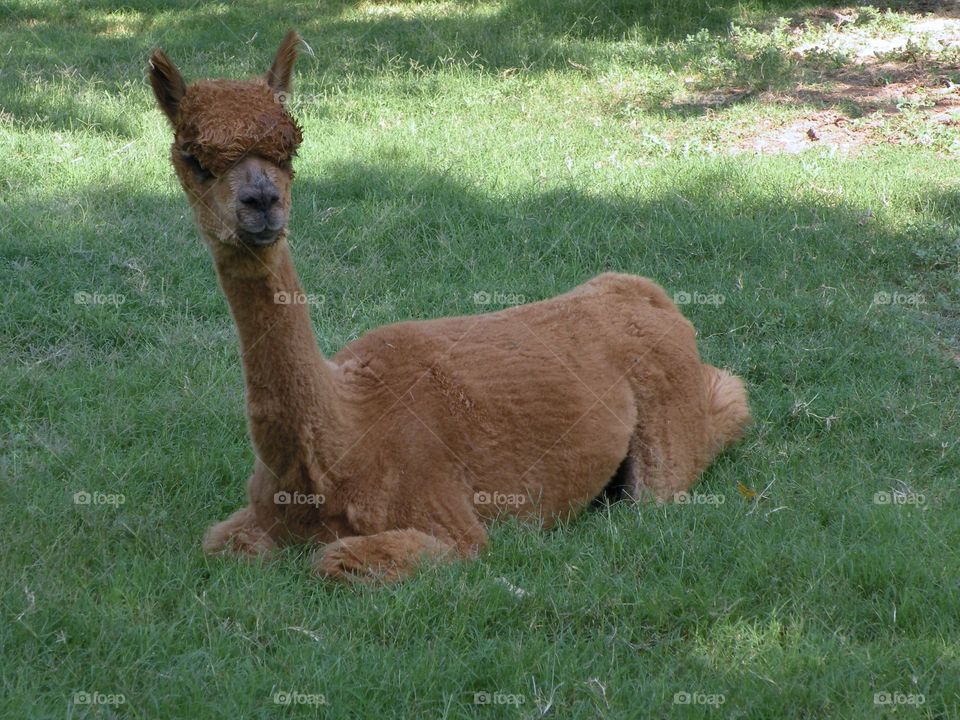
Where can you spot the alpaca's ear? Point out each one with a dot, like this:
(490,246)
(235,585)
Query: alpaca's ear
(280,74)
(168,85)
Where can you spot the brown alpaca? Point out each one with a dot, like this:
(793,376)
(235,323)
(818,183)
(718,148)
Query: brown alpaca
(406,445)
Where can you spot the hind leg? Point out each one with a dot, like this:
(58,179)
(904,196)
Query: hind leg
(649,473)
(669,450)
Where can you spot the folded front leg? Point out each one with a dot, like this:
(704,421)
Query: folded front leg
(383,557)
(239,534)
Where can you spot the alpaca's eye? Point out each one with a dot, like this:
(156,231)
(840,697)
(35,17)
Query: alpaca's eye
(199,170)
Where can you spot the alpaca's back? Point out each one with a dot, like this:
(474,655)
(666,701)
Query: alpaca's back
(543,398)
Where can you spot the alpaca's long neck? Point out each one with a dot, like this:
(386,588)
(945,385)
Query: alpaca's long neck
(292,398)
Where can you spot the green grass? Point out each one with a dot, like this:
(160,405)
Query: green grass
(453,148)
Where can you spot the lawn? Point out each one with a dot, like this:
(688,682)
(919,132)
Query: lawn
(793,183)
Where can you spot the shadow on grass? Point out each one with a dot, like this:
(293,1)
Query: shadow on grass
(389,242)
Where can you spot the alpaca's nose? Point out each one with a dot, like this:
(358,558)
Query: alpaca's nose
(260,214)
(260,197)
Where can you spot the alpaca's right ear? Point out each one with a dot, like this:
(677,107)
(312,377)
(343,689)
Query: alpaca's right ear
(280,74)
(168,85)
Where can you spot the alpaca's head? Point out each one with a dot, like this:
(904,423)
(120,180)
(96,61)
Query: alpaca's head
(233,146)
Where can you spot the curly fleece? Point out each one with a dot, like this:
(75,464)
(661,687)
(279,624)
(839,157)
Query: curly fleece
(222,121)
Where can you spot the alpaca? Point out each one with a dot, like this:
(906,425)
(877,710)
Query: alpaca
(404,447)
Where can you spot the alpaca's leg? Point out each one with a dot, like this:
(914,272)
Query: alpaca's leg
(384,557)
(665,464)
(644,475)
(650,473)
(239,534)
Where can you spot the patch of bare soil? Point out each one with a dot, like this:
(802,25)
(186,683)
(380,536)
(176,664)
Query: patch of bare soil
(857,100)
(825,129)
(884,87)
(859,107)
(931,34)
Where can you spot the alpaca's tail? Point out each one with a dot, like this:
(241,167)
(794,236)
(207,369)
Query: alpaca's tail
(728,406)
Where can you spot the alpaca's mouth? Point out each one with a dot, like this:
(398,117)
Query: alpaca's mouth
(260,239)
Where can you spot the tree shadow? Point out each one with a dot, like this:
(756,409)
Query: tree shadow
(355,223)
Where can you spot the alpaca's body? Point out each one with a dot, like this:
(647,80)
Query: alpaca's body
(415,436)
(441,425)
(538,401)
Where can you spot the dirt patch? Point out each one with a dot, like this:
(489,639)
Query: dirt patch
(888,86)
(884,103)
(839,79)
(891,104)
(950,8)
(898,88)
(916,64)
(826,130)
(926,34)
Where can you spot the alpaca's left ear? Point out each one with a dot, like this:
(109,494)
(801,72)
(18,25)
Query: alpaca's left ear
(168,85)
(280,74)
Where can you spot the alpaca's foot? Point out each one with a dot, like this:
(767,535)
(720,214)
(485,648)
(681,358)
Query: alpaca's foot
(384,557)
(240,535)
